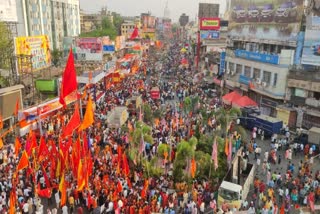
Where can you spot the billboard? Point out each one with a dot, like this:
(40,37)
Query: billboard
(108,48)
(256,56)
(210,34)
(208,10)
(38,48)
(277,21)
(311,48)
(8,11)
(210,24)
(120,42)
(88,49)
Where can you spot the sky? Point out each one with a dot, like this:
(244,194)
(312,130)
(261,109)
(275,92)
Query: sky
(156,7)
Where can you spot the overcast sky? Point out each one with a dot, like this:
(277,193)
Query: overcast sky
(156,7)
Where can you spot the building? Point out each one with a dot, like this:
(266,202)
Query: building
(261,49)
(89,22)
(127,28)
(208,10)
(55,18)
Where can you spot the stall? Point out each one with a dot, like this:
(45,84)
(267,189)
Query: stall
(117,117)
(231,97)
(244,102)
(91,80)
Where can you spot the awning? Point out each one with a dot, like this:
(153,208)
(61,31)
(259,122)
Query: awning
(231,97)
(244,102)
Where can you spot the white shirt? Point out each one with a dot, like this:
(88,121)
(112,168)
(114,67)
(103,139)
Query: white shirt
(25,207)
(64,209)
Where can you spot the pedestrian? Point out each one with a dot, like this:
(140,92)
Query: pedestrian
(279,159)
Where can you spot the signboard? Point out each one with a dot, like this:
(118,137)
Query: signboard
(222,63)
(244,80)
(89,49)
(210,24)
(211,34)
(120,42)
(108,49)
(260,57)
(208,10)
(311,49)
(8,11)
(38,48)
(277,21)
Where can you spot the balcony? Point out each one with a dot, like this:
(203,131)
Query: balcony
(313,102)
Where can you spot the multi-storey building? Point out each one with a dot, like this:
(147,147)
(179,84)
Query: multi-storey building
(127,28)
(55,18)
(262,46)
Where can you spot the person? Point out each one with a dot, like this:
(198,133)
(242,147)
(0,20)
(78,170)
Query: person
(251,209)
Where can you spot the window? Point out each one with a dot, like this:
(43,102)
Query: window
(256,73)
(247,71)
(239,69)
(231,66)
(275,79)
(266,76)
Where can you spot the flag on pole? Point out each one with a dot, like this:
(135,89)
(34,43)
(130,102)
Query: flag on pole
(23,162)
(88,118)
(17,107)
(73,123)
(1,122)
(215,154)
(226,147)
(63,190)
(43,151)
(193,168)
(135,33)
(13,199)
(69,79)
(1,143)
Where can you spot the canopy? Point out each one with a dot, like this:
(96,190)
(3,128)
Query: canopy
(231,97)
(244,101)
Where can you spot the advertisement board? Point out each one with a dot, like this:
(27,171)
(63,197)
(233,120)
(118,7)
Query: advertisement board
(8,11)
(120,42)
(277,21)
(38,47)
(88,49)
(209,23)
(108,49)
(311,48)
(222,63)
(260,57)
(210,34)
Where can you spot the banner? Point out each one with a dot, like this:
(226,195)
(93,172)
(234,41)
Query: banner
(8,11)
(311,49)
(210,24)
(89,49)
(120,42)
(36,47)
(211,34)
(108,49)
(260,20)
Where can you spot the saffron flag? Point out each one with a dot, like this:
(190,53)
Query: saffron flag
(73,123)
(215,154)
(126,169)
(135,33)
(119,187)
(88,118)
(43,150)
(193,168)
(1,122)
(46,193)
(69,79)
(1,143)
(17,146)
(23,162)
(80,177)
(63,190)
(17,107)
(226,148)
(13,199)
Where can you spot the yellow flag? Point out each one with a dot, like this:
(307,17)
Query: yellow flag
(88,116)
(1,143)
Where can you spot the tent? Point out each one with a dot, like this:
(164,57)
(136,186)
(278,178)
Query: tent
(244,102)
(231,97)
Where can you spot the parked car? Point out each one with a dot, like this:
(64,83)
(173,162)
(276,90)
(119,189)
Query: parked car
(316,49)
(253,14)
(239,14)
(267,13)
(287,12)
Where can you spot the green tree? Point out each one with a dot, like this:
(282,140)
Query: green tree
(56,56)
(147,113)
(5,46)
(117,21)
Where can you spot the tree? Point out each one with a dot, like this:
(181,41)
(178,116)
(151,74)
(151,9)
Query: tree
(56,57)
(107,29)
(117,21)
(5,46)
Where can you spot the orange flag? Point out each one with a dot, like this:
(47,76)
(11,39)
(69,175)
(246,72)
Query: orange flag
(1,122)
(80,177)
(17,146)
(17,107)
(73,123)
(1,143)
(130,127)
(24,162)
(43,150)
(88,118)
(63,190)
(226,147)
(13,198)
(193,168)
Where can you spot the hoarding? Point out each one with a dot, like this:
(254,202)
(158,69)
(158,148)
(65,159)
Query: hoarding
(210,24)
(260,57)
(222,66)
(208,10)
(89,49)
(8,11)
(211,34)
(120,42)
(108,48)
(38,48)
(277,21)
(311,49)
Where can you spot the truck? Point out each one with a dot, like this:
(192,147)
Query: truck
(236,185)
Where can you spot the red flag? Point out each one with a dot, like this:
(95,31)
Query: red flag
(63,190)
(17,107)
(32,142)
(13,198)
(69,79)
(46,179)
(119,187)
(1,122)
(193,167)
(45,193)
(125,165)
(17,146)
(73,123)
(23,162)
(135,33)
(43,150)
